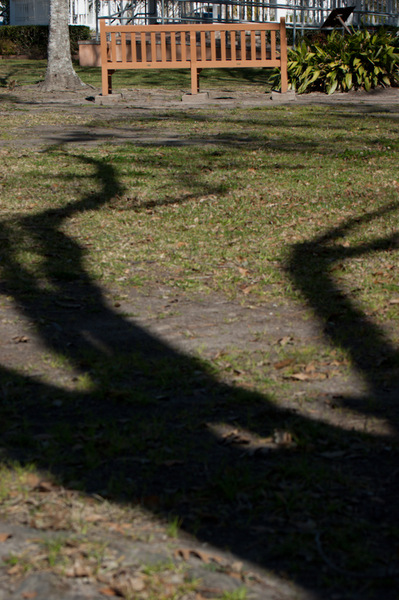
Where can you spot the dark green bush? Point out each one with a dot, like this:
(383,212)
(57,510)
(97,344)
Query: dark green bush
(7,47)
(362,60)
(32,39)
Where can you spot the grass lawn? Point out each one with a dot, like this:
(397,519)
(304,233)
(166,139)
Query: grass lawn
(27,72)
(290,207)
(260,185)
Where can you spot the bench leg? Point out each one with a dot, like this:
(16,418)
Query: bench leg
(106,81)
(284,79)
(283,56)
(110,73)
(195,71)
(194,80)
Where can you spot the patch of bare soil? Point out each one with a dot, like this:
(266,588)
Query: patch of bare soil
(32,98)
(194,486)
(142,102)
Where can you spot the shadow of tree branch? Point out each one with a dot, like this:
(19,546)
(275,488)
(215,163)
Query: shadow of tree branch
(346,324)
(145,420)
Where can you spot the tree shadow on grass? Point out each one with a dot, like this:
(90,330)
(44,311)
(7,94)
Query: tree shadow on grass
(345,324)
(138,420)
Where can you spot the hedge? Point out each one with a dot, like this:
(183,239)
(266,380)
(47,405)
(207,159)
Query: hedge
(33,39)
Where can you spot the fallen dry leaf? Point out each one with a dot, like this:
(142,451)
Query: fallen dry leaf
(117,527)
(283,438)
(308,376)
(234,575)
(20,339)
(300,376)
(79,569)
(237,566)
(32,480)
(29,595)
(285,340)
(127,585)
(46,486)
(248,289)
(283,363)
(94,518)
(5,536)
(253,577)
(186,553)
(234,437)
(338,363)
(107,591)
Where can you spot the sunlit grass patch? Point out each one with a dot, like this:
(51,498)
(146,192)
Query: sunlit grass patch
(225,216)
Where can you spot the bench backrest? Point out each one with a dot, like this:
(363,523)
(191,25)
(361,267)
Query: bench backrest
(178,46)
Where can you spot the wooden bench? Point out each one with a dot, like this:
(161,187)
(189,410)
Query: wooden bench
(228,45)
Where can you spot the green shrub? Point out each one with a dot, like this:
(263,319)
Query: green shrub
(33,39)
(362,60)
(78,33)
(8,47)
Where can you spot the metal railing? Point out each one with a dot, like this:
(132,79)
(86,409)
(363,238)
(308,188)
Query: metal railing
(299,15)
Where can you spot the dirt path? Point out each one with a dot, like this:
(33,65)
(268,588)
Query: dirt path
(102,547)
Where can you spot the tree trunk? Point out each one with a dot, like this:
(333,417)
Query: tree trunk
(60,75)
(152,11)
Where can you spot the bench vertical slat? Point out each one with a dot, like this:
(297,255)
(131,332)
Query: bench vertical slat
(173,51)
(253,45)
(133,42)
(273,45)
(263,44)
(104,59)
(233,45)
(243,47)
(223,45)
(143,48)
(123,47)
(113,47)
(153,47)
(183,46)
(203,46)
(283,56)
(213,45)
(164,57)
